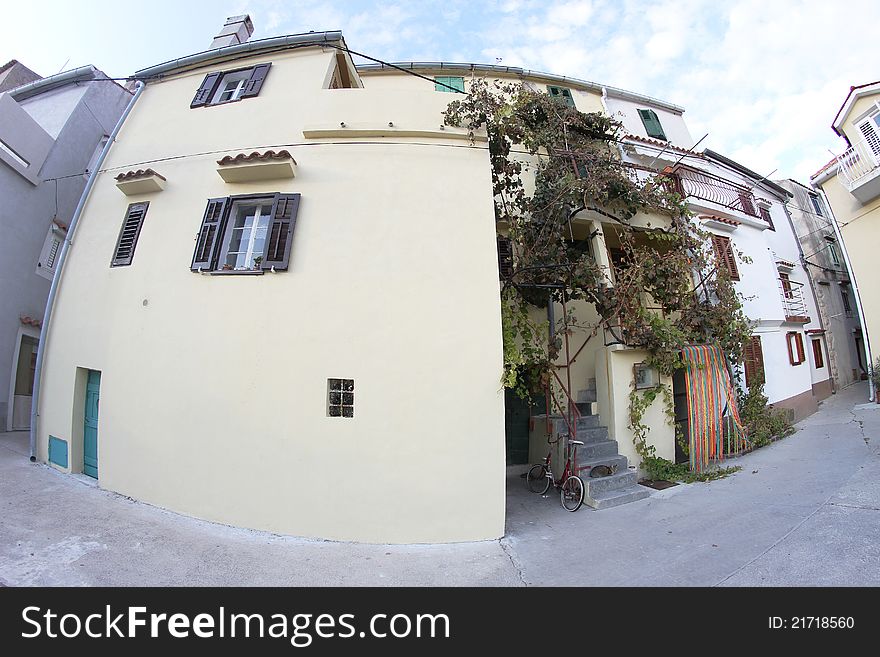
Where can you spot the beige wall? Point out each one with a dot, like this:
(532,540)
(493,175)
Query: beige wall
(614,382)
(213,389)
(860,229)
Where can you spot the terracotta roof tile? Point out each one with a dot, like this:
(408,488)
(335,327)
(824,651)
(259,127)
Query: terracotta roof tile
(663,144)
(140,173)
(827,166)
(723,220)
(256,156)
(31,321)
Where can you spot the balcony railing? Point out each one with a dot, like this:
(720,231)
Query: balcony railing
(793,301)
(858,162)
(707,187)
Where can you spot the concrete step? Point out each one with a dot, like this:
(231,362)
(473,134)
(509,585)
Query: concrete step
(594,435)
(616,497)
(584,466)
(588,422)
(599,485)
(597,450)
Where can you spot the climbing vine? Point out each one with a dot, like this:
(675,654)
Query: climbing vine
(664,289)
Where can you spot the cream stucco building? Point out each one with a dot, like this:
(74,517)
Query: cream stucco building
(281,308)
(851,183)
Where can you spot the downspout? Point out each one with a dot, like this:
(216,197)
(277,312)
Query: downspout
(56,280)
(855,284)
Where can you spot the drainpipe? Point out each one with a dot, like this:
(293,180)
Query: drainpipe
(56,280)
(855,286)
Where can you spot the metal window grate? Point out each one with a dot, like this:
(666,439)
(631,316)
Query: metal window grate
(340,397)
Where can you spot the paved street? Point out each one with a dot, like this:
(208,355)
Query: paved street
(804,511)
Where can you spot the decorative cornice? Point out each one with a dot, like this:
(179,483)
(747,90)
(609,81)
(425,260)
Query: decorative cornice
(255,156)
(140,173)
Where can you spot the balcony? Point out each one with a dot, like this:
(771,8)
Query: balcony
(693,183)
(859,169)
(793,301)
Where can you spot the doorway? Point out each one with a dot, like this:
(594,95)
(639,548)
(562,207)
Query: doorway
(23,387)
(90,424)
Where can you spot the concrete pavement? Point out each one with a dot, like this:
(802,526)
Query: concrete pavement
(803,511)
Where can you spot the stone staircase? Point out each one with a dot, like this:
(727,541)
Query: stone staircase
(613,490)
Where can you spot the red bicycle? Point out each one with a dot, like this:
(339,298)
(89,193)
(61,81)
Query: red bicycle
(569,485)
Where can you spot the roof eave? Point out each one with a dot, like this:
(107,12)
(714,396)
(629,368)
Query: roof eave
(248,48)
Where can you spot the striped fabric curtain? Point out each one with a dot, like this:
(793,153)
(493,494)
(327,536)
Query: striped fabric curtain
(711,406)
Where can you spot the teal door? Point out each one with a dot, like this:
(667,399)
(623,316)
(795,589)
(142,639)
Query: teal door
(90,428)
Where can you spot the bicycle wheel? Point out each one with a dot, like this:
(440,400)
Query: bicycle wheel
(572,493)
(538,479)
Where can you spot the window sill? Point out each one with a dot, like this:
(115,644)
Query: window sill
(233,272)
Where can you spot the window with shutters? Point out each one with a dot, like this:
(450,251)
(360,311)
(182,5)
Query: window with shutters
(817,205)
(870,129)
(225,87)
(249,233)
(844,297)
(795,343)
(753,359)
(652,124)
(443,82)
(765,215)
(786,285)
(724,255)
(505,257)
(129,233)
(833,253)
(562,94)
(50,252)
(817,354)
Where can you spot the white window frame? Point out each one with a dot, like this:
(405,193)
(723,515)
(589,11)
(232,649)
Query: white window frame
(249,252)
(240,78)
(872,120)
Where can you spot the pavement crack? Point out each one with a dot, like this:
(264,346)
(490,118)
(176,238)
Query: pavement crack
(861,424)
(514,561)
(855,506)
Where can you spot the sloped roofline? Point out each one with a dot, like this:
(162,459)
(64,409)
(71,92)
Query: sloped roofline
(43,85)
(757,178)
(239,50)
(525,73)
(854,94)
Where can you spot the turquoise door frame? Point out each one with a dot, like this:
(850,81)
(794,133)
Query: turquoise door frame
(90,425)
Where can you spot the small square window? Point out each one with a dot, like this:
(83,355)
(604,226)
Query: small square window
(231,87)
(340,397)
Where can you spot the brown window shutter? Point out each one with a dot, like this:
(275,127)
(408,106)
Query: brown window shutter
(209,86)
(799,340)
(795,344)
(753,356)
(255,83)
(817,354)
(765,215)
(129,233)
(210,234)
(280,237)
(724,253)
(786,285)
(505,257)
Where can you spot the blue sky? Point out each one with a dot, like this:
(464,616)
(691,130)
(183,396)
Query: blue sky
(763,77)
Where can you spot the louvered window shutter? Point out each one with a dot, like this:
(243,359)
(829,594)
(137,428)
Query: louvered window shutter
(724,253)
(754,361)
(206,91)
(652,124)
(210,234)
(869,131)
(505,257)
(128,234)
(280,237)
(765,215)
(255,83)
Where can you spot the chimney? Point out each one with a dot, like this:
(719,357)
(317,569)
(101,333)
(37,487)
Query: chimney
(237,29)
